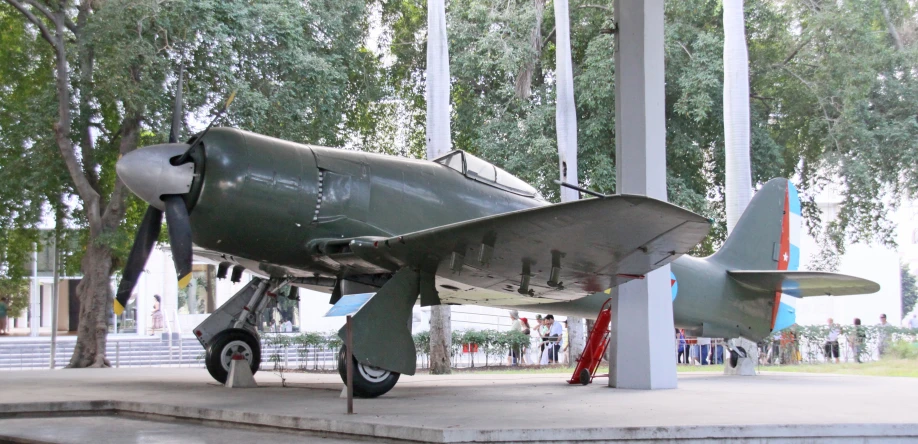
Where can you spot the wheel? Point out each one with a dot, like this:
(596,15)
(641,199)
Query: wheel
(224,345)
(369,381)
(584,377)
(734,359)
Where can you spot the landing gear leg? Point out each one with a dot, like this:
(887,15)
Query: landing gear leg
(232,328)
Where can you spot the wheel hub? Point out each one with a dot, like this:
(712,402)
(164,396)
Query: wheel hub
(237,346)
(372,374)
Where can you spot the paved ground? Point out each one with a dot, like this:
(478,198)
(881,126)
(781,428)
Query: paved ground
(119,430)
(468,407)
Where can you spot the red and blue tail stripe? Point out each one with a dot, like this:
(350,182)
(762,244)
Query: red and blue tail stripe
(784,312)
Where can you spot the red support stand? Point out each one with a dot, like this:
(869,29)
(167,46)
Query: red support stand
(596,346)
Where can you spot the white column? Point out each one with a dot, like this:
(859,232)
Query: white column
(641,355)
(34,295)
(738,170)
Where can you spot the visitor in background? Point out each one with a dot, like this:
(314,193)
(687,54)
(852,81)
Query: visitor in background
(831,346)
(288,326)
(884,335)
(157,316)
(555,331)
(682,356)
(4,308)
(513,356)
(858,339)
(913,321)
(524,353)
(704,346)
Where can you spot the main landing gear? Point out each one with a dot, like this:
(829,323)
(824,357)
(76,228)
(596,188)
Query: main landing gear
(369,382)
(232,328)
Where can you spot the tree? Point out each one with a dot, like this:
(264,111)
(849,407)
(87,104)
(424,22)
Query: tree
(908,288)
(112,63)
(438,143)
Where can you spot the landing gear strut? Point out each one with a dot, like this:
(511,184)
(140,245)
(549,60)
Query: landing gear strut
(232,328)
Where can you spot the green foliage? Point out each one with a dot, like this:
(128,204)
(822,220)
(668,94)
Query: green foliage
(908,288)
(16,290)
(902,349)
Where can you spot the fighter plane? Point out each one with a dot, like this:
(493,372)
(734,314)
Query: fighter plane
(455,230)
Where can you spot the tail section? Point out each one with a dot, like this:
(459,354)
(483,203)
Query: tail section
(767,237)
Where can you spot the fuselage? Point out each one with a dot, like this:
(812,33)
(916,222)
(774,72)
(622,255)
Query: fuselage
(265,199)
(262,200)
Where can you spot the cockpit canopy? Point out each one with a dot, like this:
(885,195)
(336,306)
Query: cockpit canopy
(482,171)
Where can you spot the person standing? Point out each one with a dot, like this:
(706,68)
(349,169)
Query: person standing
(156,316)
(524,353)
(858,339)
(884,335)
(4,308)
(704,345)
(831,346)
(555,331)
(913,321)
(513,357)
(682,357)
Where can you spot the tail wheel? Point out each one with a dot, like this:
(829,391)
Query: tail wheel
(227,343)
(585,377)
(369,381)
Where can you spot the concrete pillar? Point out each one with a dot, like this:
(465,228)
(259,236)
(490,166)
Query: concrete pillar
(641,355)
(34,296)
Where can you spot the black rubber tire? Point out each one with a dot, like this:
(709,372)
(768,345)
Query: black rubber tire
(585,377)
(217,348)
(363,387)
(734,358)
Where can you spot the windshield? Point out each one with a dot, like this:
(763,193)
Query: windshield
(482,171)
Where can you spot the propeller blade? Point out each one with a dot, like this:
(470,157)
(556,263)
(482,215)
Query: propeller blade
(179,237)
(147,233)
(187,155)
(177,115)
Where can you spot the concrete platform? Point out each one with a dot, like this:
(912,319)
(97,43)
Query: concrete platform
(783,407)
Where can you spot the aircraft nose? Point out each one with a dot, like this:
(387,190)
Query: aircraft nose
(148,173)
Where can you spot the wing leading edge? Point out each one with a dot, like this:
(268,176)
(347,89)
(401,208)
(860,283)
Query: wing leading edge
(804,283)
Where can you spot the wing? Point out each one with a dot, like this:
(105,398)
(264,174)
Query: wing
(566,250)
(804,283)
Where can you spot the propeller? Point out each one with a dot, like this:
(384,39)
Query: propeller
(187,155)
(178,222)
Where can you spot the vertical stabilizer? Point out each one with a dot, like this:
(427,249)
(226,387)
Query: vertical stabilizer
(767,237)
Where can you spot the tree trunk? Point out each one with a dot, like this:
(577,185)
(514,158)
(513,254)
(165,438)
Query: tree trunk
(440,340)
(95,303)
(524,78)
(575,337)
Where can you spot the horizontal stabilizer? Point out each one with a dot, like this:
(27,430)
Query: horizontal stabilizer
(804,283)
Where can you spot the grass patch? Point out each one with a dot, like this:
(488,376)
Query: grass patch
(886,367)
